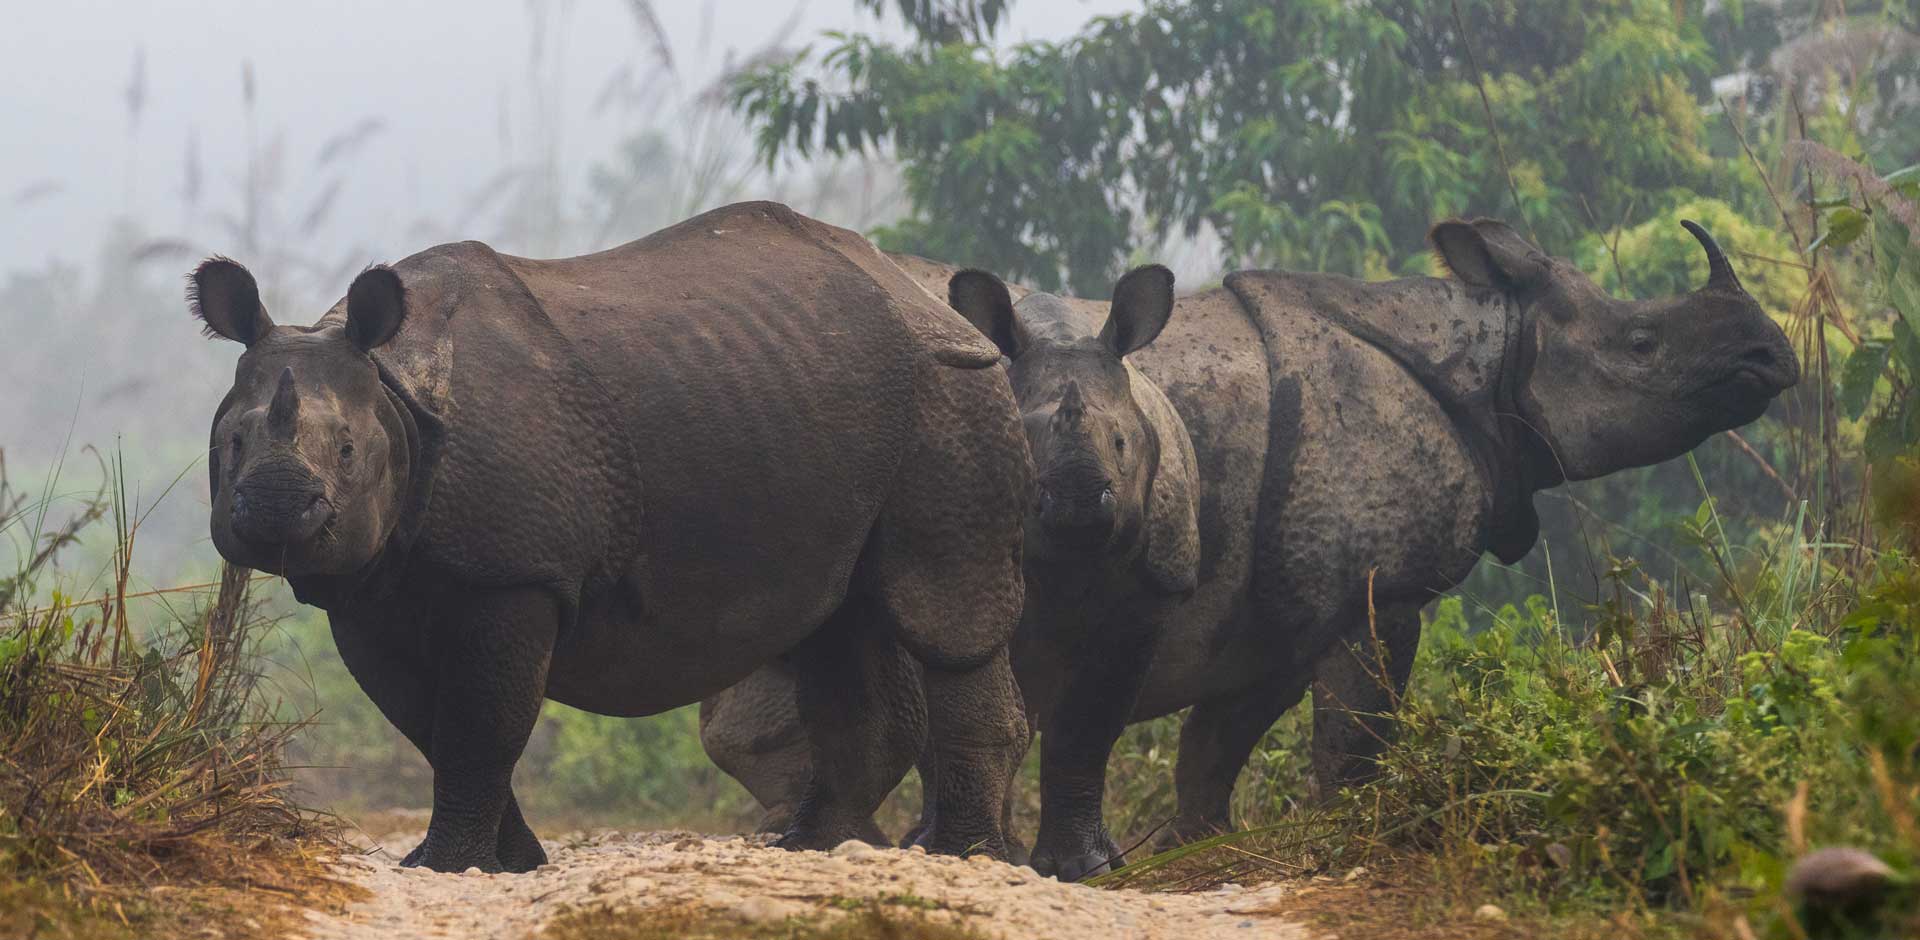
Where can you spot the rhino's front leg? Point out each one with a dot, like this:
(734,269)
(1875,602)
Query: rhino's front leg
(1215,742)
(1354,697)
(374,646)
(493,654)
(1074,745)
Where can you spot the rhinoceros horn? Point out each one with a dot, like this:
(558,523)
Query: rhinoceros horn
(1720,274)
(283,414)
(1073,405)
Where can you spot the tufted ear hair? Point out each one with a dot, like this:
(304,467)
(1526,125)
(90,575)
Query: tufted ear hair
(1142,305)
(223,296)
(983,299)
(376,306)
(1488,253)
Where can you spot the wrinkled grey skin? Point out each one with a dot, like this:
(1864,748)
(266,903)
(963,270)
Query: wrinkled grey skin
(626,480)
(1111,546)
(1393,432)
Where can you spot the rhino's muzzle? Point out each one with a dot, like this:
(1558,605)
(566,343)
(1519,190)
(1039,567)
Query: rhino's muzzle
(1078,518)
(1771,365)
(273,516)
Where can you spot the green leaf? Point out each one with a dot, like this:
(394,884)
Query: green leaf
(1860,374)
(1886,436)
(1906,347)
(1905,175)
(1844,227)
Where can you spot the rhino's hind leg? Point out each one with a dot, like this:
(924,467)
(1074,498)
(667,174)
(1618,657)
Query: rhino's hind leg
(944,561)
(1354,697)
(403,689)
(491,682)
(859,701)
(752,732)
(1215,741)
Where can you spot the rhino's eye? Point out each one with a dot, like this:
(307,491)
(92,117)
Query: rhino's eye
(346,452)
(1642,341)
(1119,443)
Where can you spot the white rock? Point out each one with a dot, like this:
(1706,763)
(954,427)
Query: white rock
(1489,912)
(852,848)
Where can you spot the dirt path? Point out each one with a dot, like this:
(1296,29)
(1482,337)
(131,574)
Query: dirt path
(742,879)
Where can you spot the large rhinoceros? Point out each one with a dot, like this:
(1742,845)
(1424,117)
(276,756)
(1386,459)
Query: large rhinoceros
(1358,437)
(624,481)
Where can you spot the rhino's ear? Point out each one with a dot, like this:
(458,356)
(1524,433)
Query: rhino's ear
(1142,304)
(225,298)
(1488,253)
(376,306)
(983,299)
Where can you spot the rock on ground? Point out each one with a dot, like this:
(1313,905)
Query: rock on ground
(752,881)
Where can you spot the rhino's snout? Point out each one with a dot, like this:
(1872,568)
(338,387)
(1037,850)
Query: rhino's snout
(1771,364)
(1078,516)
(275,514)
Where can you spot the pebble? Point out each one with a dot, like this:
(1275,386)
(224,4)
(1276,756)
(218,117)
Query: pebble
(852,848)
(474,870)
(917,849)
(1489,912)
(981,859)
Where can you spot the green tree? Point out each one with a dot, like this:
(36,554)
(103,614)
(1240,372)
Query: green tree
(1320,134)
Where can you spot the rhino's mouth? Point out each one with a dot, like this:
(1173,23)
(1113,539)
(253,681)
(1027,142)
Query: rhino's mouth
(1744,393)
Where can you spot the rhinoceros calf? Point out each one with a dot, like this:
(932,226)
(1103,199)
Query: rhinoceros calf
(1111,546)
(1368,442)
(624,481)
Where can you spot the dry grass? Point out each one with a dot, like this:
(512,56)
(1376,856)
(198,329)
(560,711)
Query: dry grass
(140,773)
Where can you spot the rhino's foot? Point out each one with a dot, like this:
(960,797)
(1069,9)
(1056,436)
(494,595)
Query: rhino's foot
(521,852)
(1070,859)
(821,836)
(1185,829)
(442,856)
(992,845)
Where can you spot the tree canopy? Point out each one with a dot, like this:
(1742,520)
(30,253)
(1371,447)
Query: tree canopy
(1317,134)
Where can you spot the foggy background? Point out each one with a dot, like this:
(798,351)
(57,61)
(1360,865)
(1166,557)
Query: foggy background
(309,140)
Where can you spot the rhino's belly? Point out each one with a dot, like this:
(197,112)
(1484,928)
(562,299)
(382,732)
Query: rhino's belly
(1374,486)
(622,658)
(1362,474)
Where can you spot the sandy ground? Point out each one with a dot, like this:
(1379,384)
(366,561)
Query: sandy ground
(746,878)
